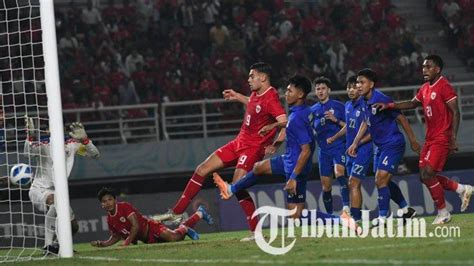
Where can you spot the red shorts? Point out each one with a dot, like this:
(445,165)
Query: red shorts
(435,155)
(234,154)
(154,230)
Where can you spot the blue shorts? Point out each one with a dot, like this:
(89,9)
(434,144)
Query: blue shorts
(328,158)
(388,158)
(359,166)
(278,168)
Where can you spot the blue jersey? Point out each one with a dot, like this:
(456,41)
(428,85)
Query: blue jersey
(354,118)
(298,132)
(382,125)
(325,128)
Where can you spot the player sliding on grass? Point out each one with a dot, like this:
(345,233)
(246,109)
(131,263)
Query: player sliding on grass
(441,110)
(127,223)
(295,164)
(264,115)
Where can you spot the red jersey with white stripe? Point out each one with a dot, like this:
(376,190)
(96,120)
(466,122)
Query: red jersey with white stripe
(438,116)
(120,225)
(262,110)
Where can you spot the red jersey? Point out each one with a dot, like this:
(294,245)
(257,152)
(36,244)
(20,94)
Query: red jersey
(119,224)
(438,116)
(261,110)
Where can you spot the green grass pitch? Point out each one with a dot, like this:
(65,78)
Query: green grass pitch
(225,248)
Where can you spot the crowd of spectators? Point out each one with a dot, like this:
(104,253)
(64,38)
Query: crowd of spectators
(458,21)
(144,51)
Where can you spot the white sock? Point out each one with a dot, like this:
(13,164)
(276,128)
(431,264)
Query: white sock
(460,188)
(443,211)
(50,226)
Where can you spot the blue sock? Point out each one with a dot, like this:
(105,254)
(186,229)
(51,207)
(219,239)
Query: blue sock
(384,201)
(344,190)
(396,195)
(356,214)
(246,181)
(327,199)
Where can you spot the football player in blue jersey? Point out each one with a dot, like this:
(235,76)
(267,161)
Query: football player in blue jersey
(295,164)
(388,139)
(329,118)
(357,167)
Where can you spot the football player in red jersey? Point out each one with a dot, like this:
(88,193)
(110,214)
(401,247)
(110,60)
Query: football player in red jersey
(441,110)
(264,113)
(126,222)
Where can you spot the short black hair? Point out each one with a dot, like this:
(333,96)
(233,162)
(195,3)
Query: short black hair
(351,80)
(322,80)
(436,59)
(301,82)
(262,68)
(105,191)
(369,74)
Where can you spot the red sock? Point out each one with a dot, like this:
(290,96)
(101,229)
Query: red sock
(447,183)
(247,204)
(192,188)
(191,221)
(182,230)
(436,191)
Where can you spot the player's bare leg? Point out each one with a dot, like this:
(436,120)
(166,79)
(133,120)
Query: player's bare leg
(340,172)
(211,164)
(355,196)
(299,209)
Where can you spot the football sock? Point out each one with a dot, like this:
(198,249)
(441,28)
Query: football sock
(246,181)
(436,191)
(384,201)
(182,230)
(50,224)
(356,213)
(248,206)
(192,188)
(396,195)
(191,221)
(327,199)
(344,190)
(448,184)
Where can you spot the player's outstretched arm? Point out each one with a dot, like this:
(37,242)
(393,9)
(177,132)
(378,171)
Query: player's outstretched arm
(132,218)
(231,95)
(415,146)
(78,133)
(412,104)
(109,242)
(352,150)
(339,134)
(454,107)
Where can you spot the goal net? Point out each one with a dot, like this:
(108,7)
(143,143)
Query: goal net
(30,87)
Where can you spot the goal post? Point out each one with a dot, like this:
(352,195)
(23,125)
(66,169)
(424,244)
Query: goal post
(55,114)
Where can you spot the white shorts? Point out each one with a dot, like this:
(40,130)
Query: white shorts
(38,197)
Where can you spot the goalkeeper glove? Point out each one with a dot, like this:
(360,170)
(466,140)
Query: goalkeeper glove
(78,132)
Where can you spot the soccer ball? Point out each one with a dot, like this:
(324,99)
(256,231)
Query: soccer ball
(21,174)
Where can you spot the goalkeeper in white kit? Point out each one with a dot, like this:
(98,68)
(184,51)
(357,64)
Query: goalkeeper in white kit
(42,189)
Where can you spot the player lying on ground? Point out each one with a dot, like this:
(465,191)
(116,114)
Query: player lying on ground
(264,113)
(441,111)
(42,189)
(127,223)
(295,164)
